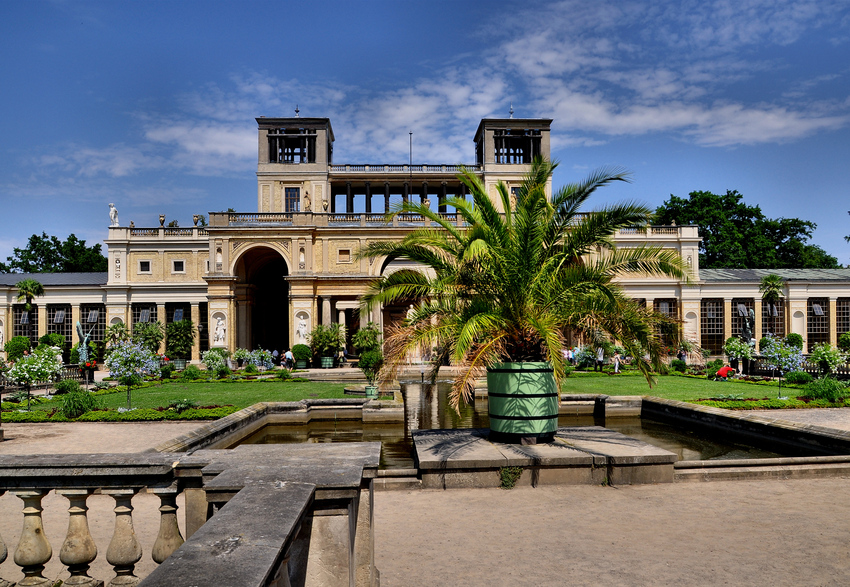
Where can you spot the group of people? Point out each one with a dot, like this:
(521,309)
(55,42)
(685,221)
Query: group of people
(617,359)
(287,359)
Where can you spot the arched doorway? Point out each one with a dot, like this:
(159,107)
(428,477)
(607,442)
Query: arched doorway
(262,299)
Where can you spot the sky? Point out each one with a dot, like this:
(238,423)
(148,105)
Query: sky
(151,105)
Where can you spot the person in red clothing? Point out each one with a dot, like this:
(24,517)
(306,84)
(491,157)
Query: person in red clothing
(725,372)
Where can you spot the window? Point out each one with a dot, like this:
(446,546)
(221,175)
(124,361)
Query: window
(292,199)
(25,323)
(344,256)
(178,266)
(58,317)
(144,312)
(59,320)
(516,146)
(711,325)
(817,326)
(773,318)
(842,315)
(144,266)
(669,307)
(94,318)
(292,145)
(145,316)
(178,314)
(740,310)
(177,311)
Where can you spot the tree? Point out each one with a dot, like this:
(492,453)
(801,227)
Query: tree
(506,287)
(27,290)
(735,235)
(48,254)
(179,338)
(772,288)
(129,361)
(149,334)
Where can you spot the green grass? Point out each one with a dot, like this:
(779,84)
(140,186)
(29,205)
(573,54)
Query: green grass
(666,386)
(240,394)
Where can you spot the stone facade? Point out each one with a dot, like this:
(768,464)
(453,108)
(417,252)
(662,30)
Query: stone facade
(273,274)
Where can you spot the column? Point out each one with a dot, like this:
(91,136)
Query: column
(424,195)
(326,310)
(75,317)
(386,197)
(833,321)
(341,317)
(349,198)
(195,314)
(162,317)
(727,318)
(41,309)
(442,200)
(405,196)
(332,197)
(758,333)
(368,197)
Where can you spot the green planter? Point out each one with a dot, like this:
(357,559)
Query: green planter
(327,362)
(300,364)
(523,402)
(371,391)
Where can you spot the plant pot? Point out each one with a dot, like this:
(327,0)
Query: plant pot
(327,362)
(300,364)
(523,402)
(371,391)
(179,364)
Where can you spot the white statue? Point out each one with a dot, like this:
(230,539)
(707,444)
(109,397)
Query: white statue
(220,330)
(1,335)
(302,331)
(113,215)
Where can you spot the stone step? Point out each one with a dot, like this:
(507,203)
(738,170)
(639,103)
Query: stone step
(762,472)
(397,483)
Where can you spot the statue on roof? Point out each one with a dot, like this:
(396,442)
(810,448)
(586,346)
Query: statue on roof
(113,215)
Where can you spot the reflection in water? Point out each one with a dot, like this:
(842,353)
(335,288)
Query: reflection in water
(426,407)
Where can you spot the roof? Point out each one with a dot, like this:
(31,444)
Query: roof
(755,275)
(54,279)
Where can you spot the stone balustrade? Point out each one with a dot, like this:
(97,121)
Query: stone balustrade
(255,515)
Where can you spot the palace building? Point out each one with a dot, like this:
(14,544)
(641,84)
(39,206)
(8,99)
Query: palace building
(264,279)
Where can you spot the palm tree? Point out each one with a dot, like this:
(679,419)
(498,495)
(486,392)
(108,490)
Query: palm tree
(508,286)
(27,290)
(772,289)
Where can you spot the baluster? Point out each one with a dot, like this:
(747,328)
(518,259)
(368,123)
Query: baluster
(3,554)
(124,550)
(169,538)
(79,549)
(33,550)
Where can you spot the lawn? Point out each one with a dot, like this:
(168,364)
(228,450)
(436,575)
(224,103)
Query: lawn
(666,386)
(237,393)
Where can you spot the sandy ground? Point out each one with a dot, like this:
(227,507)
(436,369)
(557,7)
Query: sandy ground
(721,533)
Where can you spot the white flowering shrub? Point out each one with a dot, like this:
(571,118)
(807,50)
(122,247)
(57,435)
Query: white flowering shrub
(826,357)
(214,359)
(44,364)
(738,349)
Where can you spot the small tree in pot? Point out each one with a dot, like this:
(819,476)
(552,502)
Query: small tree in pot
(325,342)
(370,363)
(301,353)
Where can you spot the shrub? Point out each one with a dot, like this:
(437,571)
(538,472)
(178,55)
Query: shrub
(77,403)
(100,385)
(713,366)
(241,354)
(129,361)
(367,338)
(16,346)
(284,374)
(325,341)
(53,339)
(261,358)
(844,342)
(166,371)
(301,352)
(251,368)
(795,340)
(181,405)
(66,386)
(678,365)
(764,341)
(215,358)
(826,357)
(222,371)
(798,377)
(149,334)
(370,363)
(179,338)
(190,373)
(827,388)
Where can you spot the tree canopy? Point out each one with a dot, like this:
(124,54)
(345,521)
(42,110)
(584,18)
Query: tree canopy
(736,235)
(48,254)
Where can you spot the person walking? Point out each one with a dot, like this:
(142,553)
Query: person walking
(600,358)
(290,359)
(616,362)
(276,357)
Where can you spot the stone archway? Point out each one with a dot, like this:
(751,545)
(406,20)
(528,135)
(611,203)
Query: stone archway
(262,299)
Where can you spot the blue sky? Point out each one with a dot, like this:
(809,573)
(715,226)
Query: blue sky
(151,105)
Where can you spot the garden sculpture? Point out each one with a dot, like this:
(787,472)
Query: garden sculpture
(84,341)
(113,215)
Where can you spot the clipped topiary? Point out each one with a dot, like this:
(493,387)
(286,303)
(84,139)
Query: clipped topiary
(795,340)
(15,347)
(798,377)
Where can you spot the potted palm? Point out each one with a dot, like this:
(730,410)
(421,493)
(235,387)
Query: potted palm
(325,342)
(498,294)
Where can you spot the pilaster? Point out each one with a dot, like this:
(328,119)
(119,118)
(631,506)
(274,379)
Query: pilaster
(727,318)
(162,318)
(833,321)
(758,333)
(42,319)
(75,317)
(196,320)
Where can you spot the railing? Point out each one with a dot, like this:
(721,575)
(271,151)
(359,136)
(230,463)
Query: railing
(650,231)
(259,218)
(159,232)
(244,510)
(384,168)
(761,366)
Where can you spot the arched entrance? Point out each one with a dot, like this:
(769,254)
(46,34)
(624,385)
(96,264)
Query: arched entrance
(262,300)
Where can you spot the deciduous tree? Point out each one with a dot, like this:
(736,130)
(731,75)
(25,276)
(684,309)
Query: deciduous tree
(48,254)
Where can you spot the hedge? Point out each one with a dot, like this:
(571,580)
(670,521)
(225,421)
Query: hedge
(141,415)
